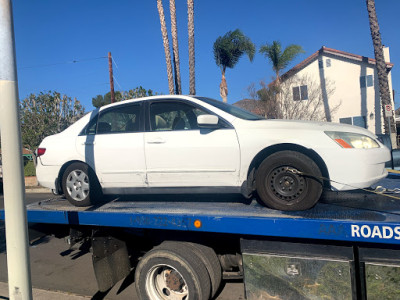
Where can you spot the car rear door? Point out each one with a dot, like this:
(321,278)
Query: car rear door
(113,146)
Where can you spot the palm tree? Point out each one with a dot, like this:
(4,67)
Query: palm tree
(227,51)
(380,61)
(166,46)
(174,33)
(279,60)
(192,86)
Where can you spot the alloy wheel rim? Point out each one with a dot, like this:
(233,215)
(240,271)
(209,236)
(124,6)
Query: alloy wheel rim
(78,185)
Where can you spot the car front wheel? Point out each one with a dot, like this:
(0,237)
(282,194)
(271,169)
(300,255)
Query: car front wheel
(289,180)
(80,185)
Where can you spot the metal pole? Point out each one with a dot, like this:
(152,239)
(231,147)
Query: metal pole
(19,278)
(390,134)
(110,70)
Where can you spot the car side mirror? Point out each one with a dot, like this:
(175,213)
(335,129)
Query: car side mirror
(207,121)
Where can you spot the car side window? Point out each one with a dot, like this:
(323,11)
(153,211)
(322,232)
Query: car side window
(173,115)
(122,119)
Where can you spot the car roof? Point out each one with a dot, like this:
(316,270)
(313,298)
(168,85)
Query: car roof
(151,98)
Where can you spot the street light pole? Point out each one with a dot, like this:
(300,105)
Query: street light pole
(19,278)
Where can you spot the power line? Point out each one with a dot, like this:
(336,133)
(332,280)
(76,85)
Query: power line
(115,63)
(63,63)
(71,89)
(117,82)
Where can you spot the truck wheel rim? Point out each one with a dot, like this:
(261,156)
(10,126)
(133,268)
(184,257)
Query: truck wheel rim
(285,184)
(163,282)
(78,185)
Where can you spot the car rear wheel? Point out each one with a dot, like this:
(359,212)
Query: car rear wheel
(289,180)
(172,271)
(209,258)
(80,185)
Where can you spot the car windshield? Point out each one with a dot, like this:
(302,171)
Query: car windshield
(230,109)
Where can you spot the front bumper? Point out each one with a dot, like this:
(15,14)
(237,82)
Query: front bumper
(357,168)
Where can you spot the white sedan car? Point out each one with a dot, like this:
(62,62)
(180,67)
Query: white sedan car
(190,144)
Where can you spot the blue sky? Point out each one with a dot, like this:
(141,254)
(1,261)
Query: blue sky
(50,34)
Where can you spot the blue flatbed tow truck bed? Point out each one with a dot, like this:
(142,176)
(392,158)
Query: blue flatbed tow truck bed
(348,239)
(356,217)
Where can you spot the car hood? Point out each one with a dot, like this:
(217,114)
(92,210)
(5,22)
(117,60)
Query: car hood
(296,125)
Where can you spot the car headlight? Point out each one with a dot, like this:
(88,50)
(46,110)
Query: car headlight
(352,140)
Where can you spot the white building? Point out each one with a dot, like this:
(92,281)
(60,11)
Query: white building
(356,88)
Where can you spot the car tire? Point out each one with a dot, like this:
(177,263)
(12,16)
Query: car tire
(171,271)
(289,180)
(80,185)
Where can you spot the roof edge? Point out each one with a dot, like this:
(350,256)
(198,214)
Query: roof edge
(331,51)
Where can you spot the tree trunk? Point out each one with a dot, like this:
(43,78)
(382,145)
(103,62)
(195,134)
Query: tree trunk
(380,63)
(166,46)
(192,85)
(223,88)
(175,47)
(277,100)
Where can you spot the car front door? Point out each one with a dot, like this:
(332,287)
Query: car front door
(180,154)
(113,146)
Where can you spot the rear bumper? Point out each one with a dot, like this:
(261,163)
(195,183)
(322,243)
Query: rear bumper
(47,176)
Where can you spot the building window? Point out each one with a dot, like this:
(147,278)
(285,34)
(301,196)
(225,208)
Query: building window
(300,93)
(346,121)
(366,81)
(357,121)
(328,62)
(370,80)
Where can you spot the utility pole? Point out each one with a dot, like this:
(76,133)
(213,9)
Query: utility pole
(19,275)
(110,69)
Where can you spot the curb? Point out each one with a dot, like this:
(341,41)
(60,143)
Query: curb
(34,190)
(37,190)
(39,294)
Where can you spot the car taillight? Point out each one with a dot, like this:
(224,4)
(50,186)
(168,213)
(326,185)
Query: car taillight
(40,151)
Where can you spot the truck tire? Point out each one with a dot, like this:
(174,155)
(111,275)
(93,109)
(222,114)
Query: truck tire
(172,272)
(280,187)
(210,261)
(80,185)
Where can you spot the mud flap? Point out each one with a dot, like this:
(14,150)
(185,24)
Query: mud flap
(110,260)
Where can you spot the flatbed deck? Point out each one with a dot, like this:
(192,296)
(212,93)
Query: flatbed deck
(350,217)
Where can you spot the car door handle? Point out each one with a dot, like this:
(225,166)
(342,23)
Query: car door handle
(157,140)
(88,143)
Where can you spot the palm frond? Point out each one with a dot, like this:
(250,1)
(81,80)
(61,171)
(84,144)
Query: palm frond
(230,47)
(290,53)
(280,60)
(273,53)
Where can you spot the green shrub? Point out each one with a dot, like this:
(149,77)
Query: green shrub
(29,169)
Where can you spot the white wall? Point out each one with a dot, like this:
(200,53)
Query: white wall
(345,74)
